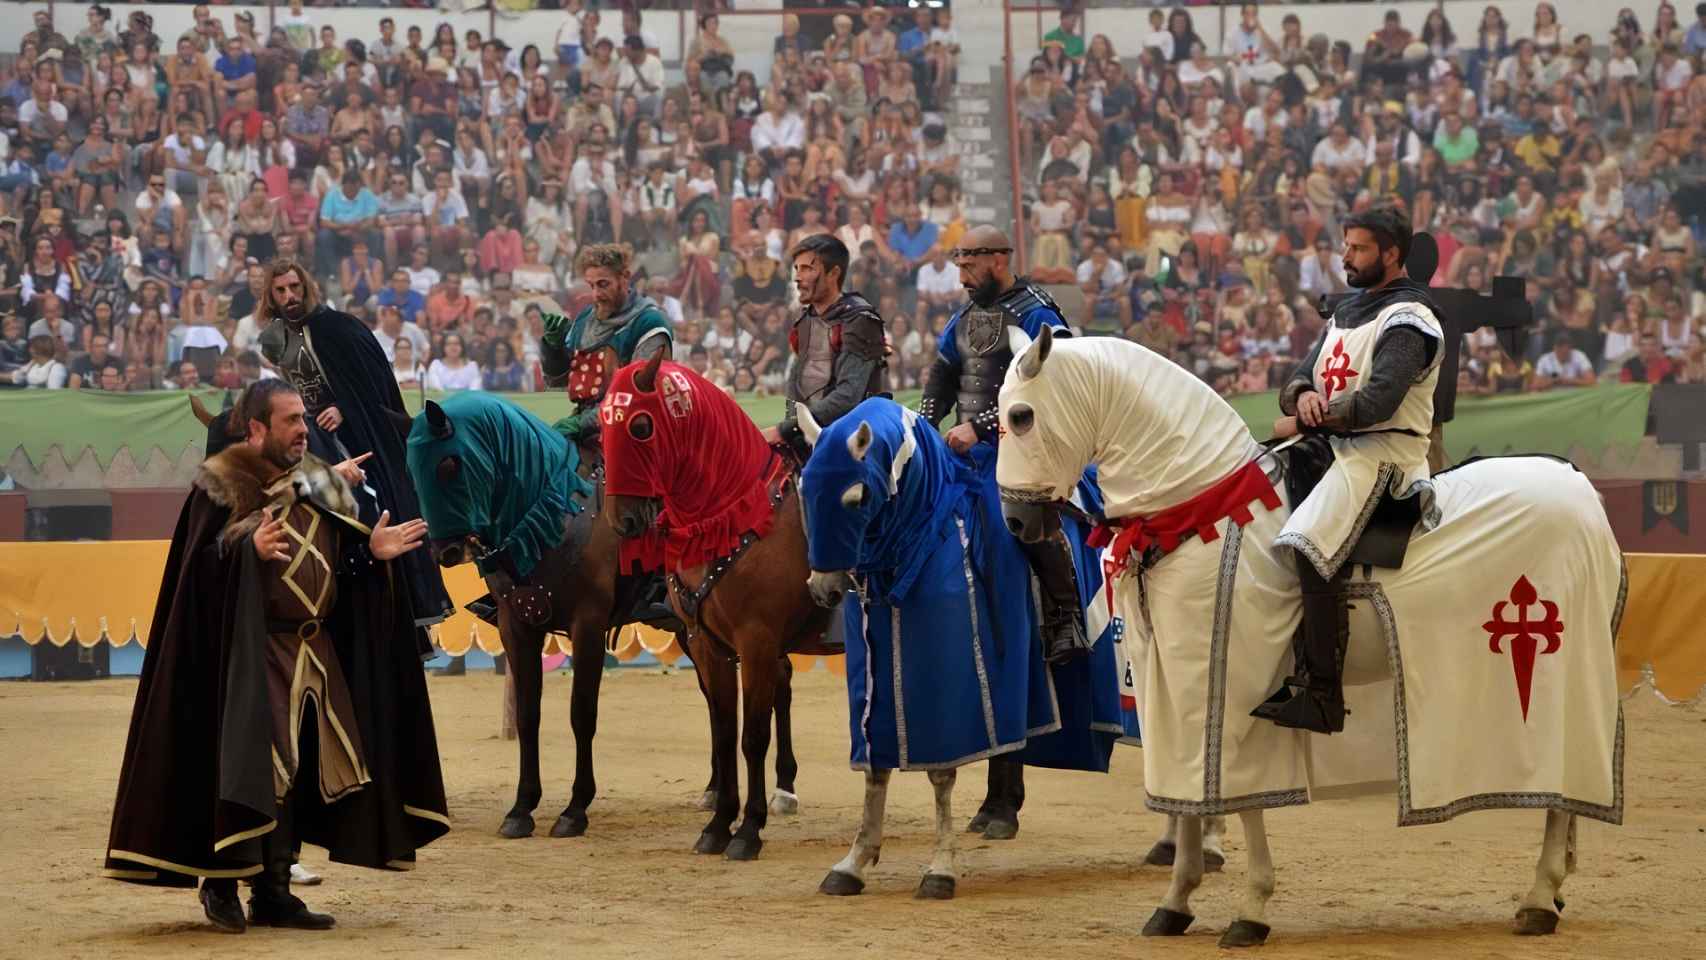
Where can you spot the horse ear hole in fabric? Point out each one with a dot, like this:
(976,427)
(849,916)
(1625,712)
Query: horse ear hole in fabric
(449,469)
(808,424)
(859,443)
(853,497)
(1031,363)
(1020,419)
(640,427)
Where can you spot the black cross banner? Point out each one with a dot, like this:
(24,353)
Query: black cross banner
(1506,310)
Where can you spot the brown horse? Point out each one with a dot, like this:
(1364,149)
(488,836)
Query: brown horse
(574,588)
(749,604)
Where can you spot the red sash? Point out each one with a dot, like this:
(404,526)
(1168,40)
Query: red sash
(1230,497)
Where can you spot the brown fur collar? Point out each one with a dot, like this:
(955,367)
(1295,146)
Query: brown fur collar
(244,481)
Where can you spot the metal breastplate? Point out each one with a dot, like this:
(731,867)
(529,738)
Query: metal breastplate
(817,358)
(302,368)
(981,336)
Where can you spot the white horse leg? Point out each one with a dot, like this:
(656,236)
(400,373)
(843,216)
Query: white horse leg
(939,879)
(1538,914)
(1214,848)
(1251,927)
(848,877)
(1174,917)
(1213,844)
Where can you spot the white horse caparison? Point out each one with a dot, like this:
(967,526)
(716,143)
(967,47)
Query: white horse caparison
(1160,437)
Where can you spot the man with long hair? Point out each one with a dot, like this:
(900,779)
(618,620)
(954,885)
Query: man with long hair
(621,326)
(350,394)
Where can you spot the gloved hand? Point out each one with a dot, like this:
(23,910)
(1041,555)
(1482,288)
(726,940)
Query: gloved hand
(556,329)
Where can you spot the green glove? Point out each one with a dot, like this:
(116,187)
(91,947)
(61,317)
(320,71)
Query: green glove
(556,329)
(569,426)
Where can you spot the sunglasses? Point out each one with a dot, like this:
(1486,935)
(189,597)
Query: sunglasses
(961,253)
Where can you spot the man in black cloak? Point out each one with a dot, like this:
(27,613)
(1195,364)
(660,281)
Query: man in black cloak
(281,698)
(348,387)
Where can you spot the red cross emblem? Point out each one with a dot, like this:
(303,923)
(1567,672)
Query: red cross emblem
(1337,373)
(1525,634)
(677,393)
(1249,56)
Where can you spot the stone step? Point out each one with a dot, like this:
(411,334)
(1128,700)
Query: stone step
(979,185)
(979,213)
(975,134)
(973,89)
(976,160)
(971,105)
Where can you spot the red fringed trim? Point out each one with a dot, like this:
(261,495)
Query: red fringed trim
(687,546)
(1230,497)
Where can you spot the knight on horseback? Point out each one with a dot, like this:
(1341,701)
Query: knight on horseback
(972,356)
(620,326)
(1363,399)
(837,342)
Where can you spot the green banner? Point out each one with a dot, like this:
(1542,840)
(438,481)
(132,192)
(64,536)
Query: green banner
(1553,422)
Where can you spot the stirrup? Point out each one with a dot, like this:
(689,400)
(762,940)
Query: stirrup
(1310,708)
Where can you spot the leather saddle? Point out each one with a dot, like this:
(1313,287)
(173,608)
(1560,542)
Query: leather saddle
(1386,538)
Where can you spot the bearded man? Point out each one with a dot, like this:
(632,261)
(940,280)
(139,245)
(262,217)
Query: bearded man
(350,393)
(972,357)
(280,699)
(1364,398)
(621,326)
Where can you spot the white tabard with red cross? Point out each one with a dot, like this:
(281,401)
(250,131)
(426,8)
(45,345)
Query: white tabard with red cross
(1390,455)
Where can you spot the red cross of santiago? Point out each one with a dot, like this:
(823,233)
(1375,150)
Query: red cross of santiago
(1337,373)
(1525,634)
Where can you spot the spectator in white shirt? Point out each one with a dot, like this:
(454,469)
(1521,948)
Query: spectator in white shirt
(777,131)
(641,74)
(939,282)
(1252,52)
(1102,279)
(453,371)
(1563,366)
(1340,152)
(1321,273)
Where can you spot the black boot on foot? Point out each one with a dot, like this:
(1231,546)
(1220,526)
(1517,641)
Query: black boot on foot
(219,901)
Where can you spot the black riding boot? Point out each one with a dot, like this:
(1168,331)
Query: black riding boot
(1062,616)
(272,904)
(219,901)
(1314,699)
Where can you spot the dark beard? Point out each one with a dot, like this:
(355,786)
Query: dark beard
(1362,279)
(294,311)
(986,292)
(277,453)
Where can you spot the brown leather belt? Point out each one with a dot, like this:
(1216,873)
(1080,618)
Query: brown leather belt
(301,629)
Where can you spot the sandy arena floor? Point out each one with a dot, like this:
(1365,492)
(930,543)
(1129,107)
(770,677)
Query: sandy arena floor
(1068,886)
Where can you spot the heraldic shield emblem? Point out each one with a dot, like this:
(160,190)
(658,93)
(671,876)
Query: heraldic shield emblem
(982,330)
(590,372)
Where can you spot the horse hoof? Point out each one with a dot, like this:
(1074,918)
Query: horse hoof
(707,801)
(978,823)
(1000,828)
(1244,933)
(935,886)
(1161,855)
(712,842)
(1535,922)
(785,804)
(516,826)
(1213,862)
(569,825)
(744,848)
(838,884)
(1167,923)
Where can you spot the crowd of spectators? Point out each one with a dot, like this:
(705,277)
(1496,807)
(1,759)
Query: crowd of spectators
(1196,200)
(438,185)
